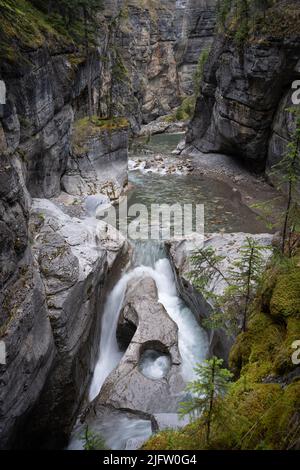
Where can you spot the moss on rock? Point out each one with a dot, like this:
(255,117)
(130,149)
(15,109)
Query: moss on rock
(86,128)
(253,352)
(261,409)
(285,300)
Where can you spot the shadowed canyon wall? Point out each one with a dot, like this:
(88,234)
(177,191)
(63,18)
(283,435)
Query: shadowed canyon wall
(54,270)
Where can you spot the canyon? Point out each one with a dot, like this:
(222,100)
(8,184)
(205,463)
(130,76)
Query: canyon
(63,272)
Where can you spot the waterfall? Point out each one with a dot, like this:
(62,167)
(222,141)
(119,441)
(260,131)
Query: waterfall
(192,339)
(193,343)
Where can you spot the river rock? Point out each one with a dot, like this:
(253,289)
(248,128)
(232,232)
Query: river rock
(226,245)
(126,387)
(160,126)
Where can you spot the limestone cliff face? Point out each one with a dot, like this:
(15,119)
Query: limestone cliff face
(43,99)
(197,19)
(55,271)
(141,66)
(246,88)
(24,322)
(160,43)
(52,288)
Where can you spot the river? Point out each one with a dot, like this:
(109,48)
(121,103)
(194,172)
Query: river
(224,211)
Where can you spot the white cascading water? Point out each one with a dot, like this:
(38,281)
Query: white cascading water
(192,339)
(193,343)
(154,364)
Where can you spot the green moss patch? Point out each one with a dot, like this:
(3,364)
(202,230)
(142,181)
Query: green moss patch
(87,128)
(184,112)
(25,27)
(285,300)
(254,351)
(260,411)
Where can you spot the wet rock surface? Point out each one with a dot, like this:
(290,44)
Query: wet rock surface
(126,387)
(75,260)
(51,298)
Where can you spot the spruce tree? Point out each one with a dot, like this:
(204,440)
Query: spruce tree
(245,275)
(231,310)
(212,383)
(287,173)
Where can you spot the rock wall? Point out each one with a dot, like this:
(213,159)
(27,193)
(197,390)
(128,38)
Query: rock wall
(52,288)
(245,90)
(55,272)
(160,43)
(37,123)
(24,323)
(98,164)
(228,247)
(141,68)
(198,21)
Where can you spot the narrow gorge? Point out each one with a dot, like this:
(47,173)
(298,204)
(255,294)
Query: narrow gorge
(109,111)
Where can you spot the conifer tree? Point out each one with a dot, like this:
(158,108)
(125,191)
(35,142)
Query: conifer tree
(231,310)
(245,275)
(212,383)
(287,173)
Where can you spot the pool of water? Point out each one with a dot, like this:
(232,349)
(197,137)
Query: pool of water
(223,207)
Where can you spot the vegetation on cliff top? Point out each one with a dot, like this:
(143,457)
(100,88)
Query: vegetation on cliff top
(27,25)
(87,128)
(252,20)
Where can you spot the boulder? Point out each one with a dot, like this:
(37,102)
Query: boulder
(126,387)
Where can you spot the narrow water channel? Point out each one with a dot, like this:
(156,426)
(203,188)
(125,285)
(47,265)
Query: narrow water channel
(224,211)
